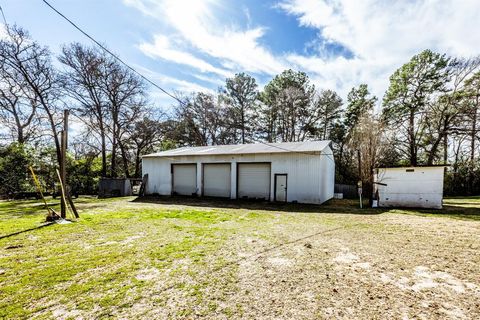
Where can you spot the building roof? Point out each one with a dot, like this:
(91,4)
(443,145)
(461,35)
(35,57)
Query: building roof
(284,147)
(417,166)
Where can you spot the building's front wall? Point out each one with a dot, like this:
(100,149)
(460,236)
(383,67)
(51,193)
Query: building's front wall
(417,187)
(310,177)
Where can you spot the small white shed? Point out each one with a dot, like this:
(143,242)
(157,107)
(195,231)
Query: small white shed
(414,187)
(301,172)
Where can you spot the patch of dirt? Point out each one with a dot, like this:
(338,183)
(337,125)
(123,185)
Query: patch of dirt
(287,266)
(148,274)
(279,262)
(62,313)
(346,257)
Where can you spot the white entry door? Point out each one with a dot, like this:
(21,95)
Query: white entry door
(216,180)
(184,179)
(281,187)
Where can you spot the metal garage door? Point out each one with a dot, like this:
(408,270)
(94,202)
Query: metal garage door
(184,179)
(254,180)
(216,179)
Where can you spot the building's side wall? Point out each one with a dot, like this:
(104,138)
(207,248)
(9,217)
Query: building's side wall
(159,175)
(310,177)
(327,168)
(422,188)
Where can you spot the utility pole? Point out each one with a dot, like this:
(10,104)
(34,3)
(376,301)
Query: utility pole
(63,165)
(360,184)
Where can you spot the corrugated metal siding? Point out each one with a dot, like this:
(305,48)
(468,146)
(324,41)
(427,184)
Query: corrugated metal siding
(310,177)
(422,187)
(349,191)
(252,148)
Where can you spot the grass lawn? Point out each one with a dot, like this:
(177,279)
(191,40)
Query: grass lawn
(165,258)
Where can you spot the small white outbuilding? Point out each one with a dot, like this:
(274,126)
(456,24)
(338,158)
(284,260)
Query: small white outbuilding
(301,172)
(413,187)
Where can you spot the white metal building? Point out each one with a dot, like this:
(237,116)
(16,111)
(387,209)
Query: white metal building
(301,172)
(415,187)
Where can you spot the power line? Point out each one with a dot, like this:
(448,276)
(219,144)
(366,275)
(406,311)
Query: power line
(144,77)
(111,53)
(3,16)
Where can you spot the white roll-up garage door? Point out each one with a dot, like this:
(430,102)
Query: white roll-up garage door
(254,180)
(216,179)
(184,179)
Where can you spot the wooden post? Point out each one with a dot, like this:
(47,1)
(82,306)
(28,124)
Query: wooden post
(64,201)
(63,166)
(360,183)
(359,164)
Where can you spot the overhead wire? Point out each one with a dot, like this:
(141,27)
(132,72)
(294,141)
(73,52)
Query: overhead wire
(3,16)
(111,53)
(144,77)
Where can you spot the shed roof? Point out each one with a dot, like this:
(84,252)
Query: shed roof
(417,166)
(284,147)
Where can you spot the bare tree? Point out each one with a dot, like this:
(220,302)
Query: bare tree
(369,138)
(472,120)
(146,135)
(30,65)
(125,93)
(17,111)
(83,82)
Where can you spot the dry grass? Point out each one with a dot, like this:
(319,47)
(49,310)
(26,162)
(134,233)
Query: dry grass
(179,258)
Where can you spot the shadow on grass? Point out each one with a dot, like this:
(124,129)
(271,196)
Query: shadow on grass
(344,206)
(36,207)
(331,206)
(450,211)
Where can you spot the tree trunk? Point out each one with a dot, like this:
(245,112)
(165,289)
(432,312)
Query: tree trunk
(445,147)
(113,163)
(124,160)
(473,137)
(104,152)
(243,124)
(411,135)
(137,164)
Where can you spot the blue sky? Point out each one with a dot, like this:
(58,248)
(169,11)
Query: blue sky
(192,45)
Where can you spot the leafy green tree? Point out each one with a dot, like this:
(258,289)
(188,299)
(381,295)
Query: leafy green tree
(242,93)
(359,103)
(14,173)
(412,89)
(328,105)
(286,113)
(84,173)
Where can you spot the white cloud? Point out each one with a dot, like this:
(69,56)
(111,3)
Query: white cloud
(161,48)
(167,81)
(172,85)
(216,81)
(196,23)
(382,35)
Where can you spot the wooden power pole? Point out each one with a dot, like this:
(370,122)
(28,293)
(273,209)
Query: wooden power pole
(63,165)
(360,183)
